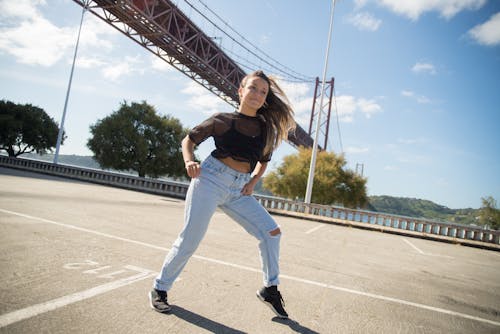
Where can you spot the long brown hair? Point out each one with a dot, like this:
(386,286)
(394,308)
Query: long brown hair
(276,111)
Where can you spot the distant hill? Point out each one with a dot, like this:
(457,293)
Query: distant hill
(420,208)
(74,160)
(85,161)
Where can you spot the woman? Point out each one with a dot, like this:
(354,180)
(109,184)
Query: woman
(244,142)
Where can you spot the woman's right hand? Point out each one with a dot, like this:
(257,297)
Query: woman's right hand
(193,169)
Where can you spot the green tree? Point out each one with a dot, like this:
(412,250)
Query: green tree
(333,183)
(25,128)
(489,214)
(136,138)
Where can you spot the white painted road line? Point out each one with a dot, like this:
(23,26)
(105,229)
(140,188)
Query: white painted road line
(292,278)
(394,300)
(73,227)
(34,310)
(413,246)
(427,254)
(314,229)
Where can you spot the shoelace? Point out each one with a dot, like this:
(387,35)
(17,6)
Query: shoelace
(161,296)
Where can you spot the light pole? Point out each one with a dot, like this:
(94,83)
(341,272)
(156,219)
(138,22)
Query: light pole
(61,126)
(318,123)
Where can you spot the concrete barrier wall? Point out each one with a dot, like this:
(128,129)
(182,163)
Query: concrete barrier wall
(463,234)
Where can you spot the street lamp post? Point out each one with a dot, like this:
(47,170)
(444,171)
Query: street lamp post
(318,123)
(61,126)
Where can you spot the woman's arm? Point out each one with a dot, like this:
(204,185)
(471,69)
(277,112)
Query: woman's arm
(257,173)
(193,168)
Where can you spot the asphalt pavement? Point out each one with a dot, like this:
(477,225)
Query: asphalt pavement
(80,258)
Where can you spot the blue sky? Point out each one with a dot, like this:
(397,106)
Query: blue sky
(416,82)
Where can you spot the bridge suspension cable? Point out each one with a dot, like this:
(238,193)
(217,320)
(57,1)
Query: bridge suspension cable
(271,65)
(338,122)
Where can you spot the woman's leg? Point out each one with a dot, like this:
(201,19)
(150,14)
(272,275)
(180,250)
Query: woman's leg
(201,202)
(258,222)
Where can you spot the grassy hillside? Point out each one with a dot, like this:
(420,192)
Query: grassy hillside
(420,208)
(73,160)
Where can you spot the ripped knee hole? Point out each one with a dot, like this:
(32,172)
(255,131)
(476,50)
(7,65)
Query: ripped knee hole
(275,232)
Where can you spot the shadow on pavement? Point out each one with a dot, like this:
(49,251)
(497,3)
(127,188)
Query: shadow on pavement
(294,325)
(202,322)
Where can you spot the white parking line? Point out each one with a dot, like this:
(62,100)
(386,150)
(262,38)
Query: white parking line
(314,229)
(414,247)
(34,310)
(292,278)
(427,254)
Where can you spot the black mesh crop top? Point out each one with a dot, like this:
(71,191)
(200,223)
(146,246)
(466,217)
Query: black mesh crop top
(236,135)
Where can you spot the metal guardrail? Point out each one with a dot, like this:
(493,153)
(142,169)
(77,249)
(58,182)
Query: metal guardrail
(418,227)
(155,186)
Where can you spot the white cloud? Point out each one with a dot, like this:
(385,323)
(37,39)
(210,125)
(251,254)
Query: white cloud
(346,107)
(413,158)
(423,99)
(88,62)
(359,4)
(159,64)
(32,39)
(356,150)
(299,95)
(364,21)
(424,68)
(419,98)
(412,141)
(368,107)
(96,33)
(36,41)
(446,8)
(115,71)
(202,100)
(407,93)
(391,168)
(20,9)
(487,33)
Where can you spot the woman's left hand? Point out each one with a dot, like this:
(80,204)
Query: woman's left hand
(247,189)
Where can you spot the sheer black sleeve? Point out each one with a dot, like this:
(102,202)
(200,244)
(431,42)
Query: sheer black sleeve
(203,130)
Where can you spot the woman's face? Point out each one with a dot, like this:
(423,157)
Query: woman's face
(253,93)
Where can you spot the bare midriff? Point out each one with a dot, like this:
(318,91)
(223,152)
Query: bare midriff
(240,166)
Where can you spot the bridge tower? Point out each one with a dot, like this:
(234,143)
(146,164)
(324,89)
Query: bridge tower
(324,110)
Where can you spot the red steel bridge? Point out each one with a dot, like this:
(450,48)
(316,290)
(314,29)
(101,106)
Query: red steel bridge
(163,29)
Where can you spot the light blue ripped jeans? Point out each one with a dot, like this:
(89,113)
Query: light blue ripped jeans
(220,186)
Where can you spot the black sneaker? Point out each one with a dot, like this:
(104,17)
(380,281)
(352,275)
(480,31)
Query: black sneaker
(158,301)
(272,298)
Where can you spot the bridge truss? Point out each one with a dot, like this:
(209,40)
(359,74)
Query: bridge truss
(325,109)
(160,27)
